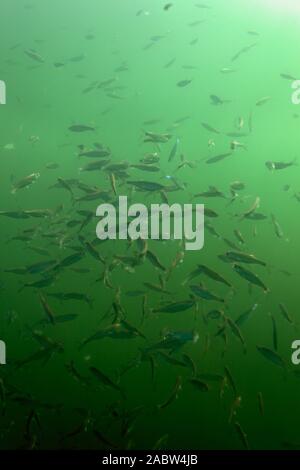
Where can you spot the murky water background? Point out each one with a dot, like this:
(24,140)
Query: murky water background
(79,45)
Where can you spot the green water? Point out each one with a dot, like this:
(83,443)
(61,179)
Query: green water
(83,44)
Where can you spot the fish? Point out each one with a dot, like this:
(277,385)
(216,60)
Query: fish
(231,381)
(157,37)
(215,314)
(172,341)
(150,158)
(156,288)
(210,212)
(156,138)
(49,313)
(242,51)
(188,362)
(25,182)
(255,216)
(98,153)
(40,267)
(284,313)
(171,359)
(92,250)
(235,405)
(200,291)
(199,384)
(195,23)
(236,330)
(242,435)
(239,236)
(183,83)
(241,257)
(101,438)
(202,5)
(15,214)
(34,55)
(243,317)
(209,128)
(261,406)
(218,158)
(210,377)
(71,296)
(287,76)
(77,58)
(52,166)
(43,354)
(213,274)
(236,134)
(175,307)
(105,380)
(231,244)
(40,284)
(227,70)
(94,166)
(65,185)
(280,165)
(277,228)
(234,144)
(173,396)
(19,271)
(168,64)
(211,192)
(271,356)
(173,150)
(155,261)
(237,186)
(38,213)
(161,443)
(70,260)
(147,185)
(81,128)
(216,100)
(250,277)
(119,330)
(262,101)
(145,167)
(252,208)
(58,64)
(59,319)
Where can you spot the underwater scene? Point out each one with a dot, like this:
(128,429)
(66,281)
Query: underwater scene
(150,222)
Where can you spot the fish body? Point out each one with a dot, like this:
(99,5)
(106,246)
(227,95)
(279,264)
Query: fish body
(173,150)
(25,182)
(175,307)
(271,356)
(49,314)
(105,380)
(81,128)
(183,83)
(279,165)
(34,56)
(204,293)
(209,128)
(250,277)
(99,153)
(240,257)
(218,158)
